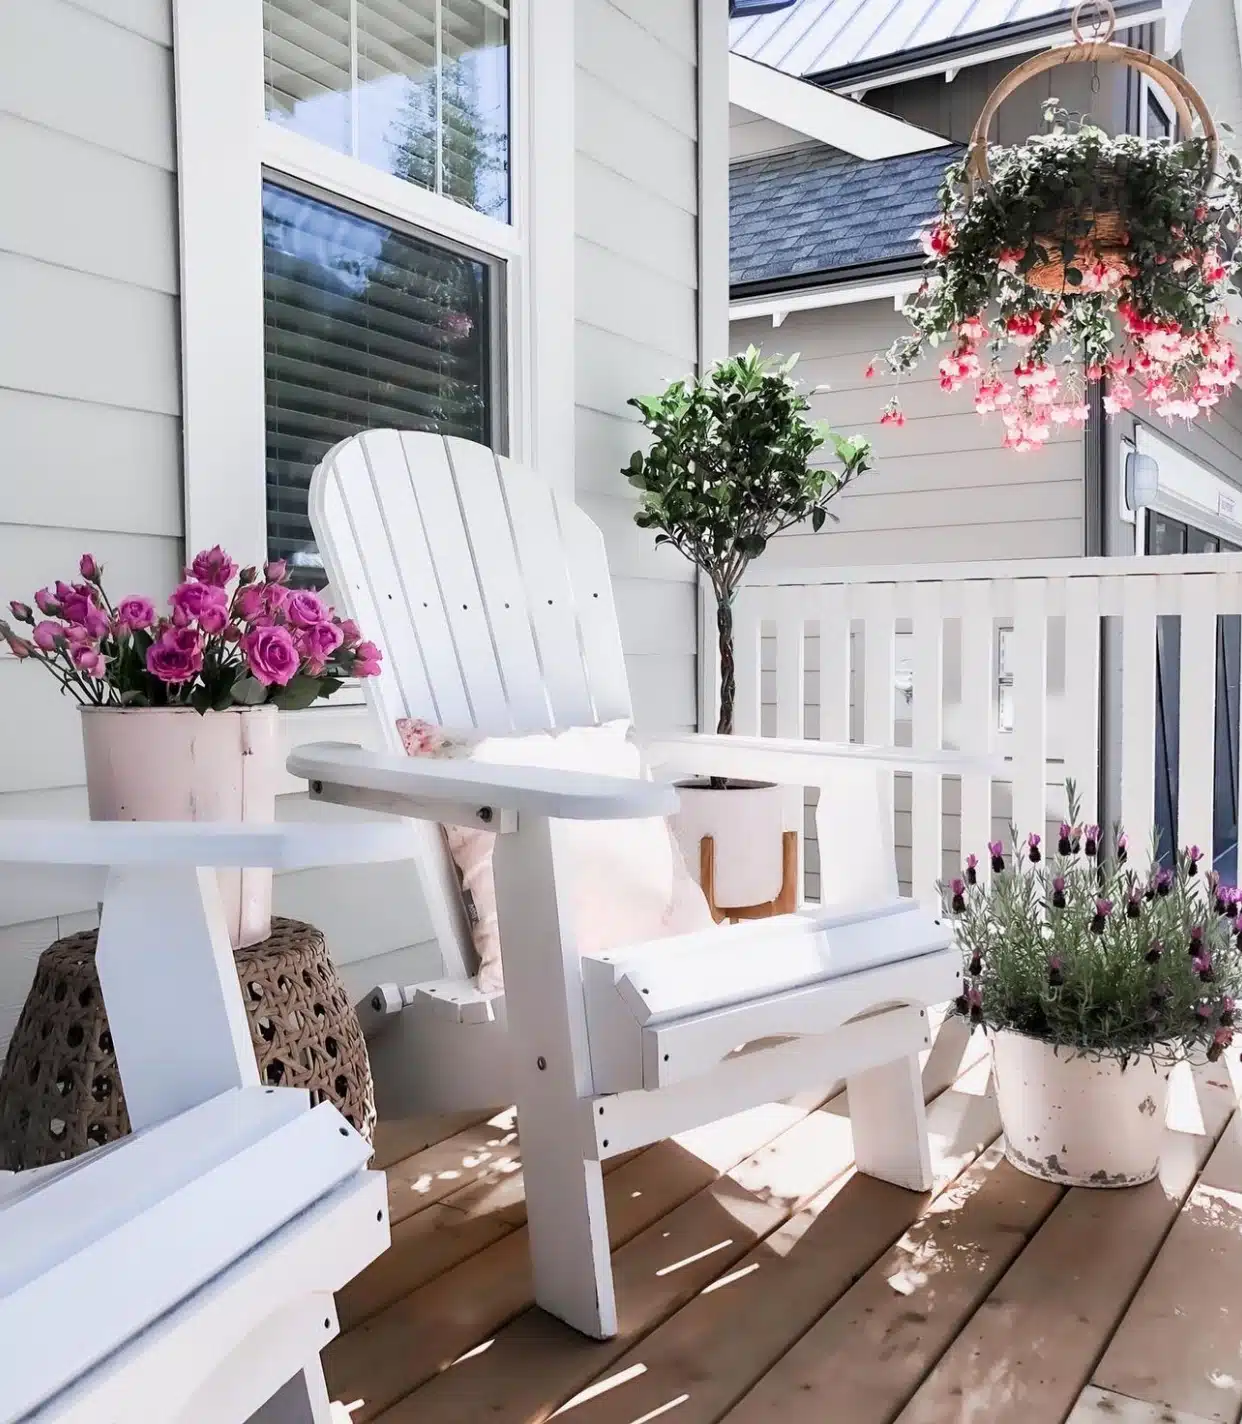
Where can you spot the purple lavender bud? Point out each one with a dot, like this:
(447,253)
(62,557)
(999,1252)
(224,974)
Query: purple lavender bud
(997,851)
(1154,952)
(1065,843)
(1032,849)
(972,870)
(1091,840)
(1056,973)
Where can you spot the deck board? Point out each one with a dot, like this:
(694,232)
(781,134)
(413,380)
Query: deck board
(759,1278)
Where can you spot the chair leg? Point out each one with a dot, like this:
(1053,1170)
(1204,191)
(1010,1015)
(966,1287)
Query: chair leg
(301,1400)
(889,1121)
(567,1223)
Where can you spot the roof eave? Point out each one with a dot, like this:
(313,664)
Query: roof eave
(856,274)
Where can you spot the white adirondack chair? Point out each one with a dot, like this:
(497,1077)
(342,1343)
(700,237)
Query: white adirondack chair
(184,1273)
(491,598)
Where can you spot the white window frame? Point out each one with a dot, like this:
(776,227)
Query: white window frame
(1147,92)
(226,146)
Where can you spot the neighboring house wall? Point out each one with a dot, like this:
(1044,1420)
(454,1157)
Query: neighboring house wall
(637,325)
(90,434)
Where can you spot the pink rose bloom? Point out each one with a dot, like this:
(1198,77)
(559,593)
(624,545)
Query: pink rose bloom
(19,647)
(136,612)
(176,656)
(274,596)
(213,566)
(320,642)
(270,655)
(74,602)
(90,661)
(248,604)
(305,609)
(350,632)
(78,636)
(276,571)
(214,620)
(196,600)
(45,602)
(89,569)
(97,623)
(366,660)
(46,634)
(21,611)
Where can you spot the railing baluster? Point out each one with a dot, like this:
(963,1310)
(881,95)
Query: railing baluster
(879,676)
(977,715)
(1030,710)
(748,614)
(1196,761)
(928,736)
(1081,719)
(1138,715)
(791,698)
(834,662)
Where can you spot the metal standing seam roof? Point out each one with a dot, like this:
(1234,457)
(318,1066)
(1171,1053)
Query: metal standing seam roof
(818,37)
(817,210)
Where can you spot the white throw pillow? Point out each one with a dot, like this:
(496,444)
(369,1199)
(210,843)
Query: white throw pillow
(628,882)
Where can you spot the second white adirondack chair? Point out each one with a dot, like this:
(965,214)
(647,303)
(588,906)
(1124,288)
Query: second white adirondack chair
(491,598)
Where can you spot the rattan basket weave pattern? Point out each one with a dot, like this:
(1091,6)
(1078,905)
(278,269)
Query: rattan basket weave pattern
(60,1092)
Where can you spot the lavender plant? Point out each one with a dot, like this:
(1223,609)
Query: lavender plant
(1079,950)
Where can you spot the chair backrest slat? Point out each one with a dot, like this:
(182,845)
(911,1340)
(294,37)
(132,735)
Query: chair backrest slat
(489,595)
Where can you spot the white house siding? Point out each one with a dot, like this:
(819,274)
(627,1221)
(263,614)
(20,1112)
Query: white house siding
(942,491)
(635,303)
(90,436)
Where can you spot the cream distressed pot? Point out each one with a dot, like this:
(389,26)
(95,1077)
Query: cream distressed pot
(171,764)
(745,822)
(1082,1122)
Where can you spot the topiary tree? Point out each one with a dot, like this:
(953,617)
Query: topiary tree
(730,467)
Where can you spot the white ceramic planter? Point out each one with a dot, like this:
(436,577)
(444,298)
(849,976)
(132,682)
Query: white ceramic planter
(170,764)
(1078,1121)
(745,823)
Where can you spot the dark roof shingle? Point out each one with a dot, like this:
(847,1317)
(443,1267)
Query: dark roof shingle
(813,210)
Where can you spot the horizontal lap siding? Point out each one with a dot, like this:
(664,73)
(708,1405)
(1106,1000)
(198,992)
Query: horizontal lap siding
(635,306)
(90,435)
(942,491)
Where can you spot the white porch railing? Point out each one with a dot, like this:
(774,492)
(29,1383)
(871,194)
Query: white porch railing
(1033,661)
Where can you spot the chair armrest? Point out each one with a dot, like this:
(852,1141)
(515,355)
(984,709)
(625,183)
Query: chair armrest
(792,761)
(428,789)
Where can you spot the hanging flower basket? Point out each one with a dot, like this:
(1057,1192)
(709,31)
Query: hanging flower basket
(1085,257)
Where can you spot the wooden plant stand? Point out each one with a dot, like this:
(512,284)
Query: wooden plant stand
(786,901)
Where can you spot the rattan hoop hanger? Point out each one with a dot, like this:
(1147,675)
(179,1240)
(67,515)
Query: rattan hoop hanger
(1186,100)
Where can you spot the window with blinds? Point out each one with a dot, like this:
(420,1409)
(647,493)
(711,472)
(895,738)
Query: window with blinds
(365,325)
(417,88)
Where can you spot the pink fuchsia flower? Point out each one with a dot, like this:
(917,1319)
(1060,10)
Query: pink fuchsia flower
(1214,270)
(21,611)
(203,603)
(1023,327)
(271,655)
(176,656)
(992,394)
(213,566)
(893,414)
(1071,414)
(305,609)
(89,568)
(136,612)
(869,373)
(366,660)
(319,642)
(1008,258)
(47,634)
(89,660)
(937,241)
(276,571)
(972,329)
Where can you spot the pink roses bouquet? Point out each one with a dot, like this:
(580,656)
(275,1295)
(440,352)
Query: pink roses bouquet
(231,639)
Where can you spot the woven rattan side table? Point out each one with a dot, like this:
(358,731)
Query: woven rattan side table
(60,1092)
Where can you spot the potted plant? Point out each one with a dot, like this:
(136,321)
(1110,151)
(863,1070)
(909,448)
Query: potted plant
(179,709)
(1093,981)
(731,464)
(1081,257)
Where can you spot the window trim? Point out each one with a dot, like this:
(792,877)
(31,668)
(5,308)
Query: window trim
(1150,92)
(223,151)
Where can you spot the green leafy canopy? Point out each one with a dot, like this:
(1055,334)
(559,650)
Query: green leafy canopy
(734,461)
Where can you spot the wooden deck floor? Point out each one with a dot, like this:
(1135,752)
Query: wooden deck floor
(760,1279)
